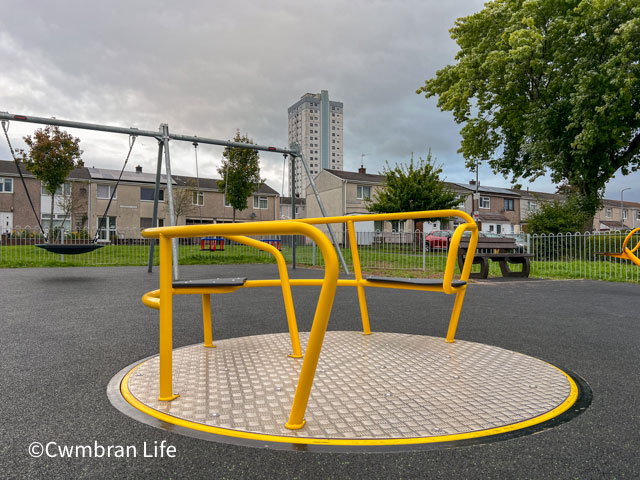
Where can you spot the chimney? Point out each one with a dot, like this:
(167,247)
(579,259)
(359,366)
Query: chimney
(472,182)
(138,169)
(362,170)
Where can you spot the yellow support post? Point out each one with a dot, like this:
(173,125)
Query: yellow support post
(455,315)
(318,330)
(206,320)
(166,321)
(364,313)
(286,290)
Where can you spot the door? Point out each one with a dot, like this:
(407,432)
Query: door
(6,222)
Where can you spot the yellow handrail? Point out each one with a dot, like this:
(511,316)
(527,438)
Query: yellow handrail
(163,297)
(320,320)
(626,253)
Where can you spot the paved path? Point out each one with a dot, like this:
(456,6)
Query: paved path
(65,332)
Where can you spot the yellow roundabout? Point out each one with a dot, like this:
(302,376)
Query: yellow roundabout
(384,389)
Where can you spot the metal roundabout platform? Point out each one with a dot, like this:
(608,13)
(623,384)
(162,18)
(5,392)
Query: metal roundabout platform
(385,391)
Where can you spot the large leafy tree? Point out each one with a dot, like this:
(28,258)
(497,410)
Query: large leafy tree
(52,155)
(548,86)
(240,171)
(413,187)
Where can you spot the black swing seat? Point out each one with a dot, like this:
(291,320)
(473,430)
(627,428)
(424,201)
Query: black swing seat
(70,249)
(210,282)
(435,282)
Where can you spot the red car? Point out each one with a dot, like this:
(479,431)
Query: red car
(437,240)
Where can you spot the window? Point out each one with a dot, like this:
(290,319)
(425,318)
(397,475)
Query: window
(378,225)
(624,214)
(637,214)
(198,221)
(147,194)
(109,225)
(197,198)
(608,213)
(260,203)
(65,187)
(105,191)
(485,202)
(508,204)
(364,192)
(532,206)
(147,222)
(6,185)
(397,225)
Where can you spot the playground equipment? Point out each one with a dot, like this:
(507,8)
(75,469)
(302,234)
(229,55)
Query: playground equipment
(626,253)
(371,389)
(163,137)
(73,249)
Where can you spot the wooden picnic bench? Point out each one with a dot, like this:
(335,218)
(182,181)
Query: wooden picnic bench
(500,249)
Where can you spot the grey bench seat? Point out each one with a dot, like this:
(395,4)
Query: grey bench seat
(431,282)
(210,282)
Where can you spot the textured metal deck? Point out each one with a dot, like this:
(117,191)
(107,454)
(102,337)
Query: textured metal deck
(382,386)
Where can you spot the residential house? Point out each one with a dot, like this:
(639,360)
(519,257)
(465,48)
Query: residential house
(14,205)
(530,202)
(498,209)
(346,193)
(82,201)
(617,215)
(285,208)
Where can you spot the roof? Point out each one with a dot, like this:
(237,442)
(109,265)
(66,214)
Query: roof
(8,167)
(356,177)
(612,223)
(538,195)
(489,190)
(81,173)
(616,203)
(212,184)
(138,177)
(287,201)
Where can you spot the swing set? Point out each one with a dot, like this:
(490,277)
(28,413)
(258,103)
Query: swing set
(61,248)
(163,137)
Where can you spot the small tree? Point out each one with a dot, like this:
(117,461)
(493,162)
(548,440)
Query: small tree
(183,199)
(240,171)
(70,203)
(559,216)
(52,155)
(410,188)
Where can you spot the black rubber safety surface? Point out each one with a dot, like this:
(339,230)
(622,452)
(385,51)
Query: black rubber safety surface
(65,332)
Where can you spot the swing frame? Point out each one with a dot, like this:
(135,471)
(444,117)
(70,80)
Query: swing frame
(163,136)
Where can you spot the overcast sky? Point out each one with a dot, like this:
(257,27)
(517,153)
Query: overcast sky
(208,68)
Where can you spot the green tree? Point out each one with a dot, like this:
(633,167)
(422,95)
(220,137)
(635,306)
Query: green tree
(559,216)
(548,86)
(240,171)
(52,155)
(411,188)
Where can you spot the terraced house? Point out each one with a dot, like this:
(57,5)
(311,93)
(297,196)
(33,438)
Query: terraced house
(82,201)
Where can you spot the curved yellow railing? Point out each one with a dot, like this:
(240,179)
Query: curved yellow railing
(320,320)
(161,298)
(626,254)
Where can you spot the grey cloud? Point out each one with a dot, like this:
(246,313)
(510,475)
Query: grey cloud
(210,67)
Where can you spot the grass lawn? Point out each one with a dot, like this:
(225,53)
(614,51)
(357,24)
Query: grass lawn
(390,261)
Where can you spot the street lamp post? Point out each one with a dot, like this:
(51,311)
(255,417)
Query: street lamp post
(622,206)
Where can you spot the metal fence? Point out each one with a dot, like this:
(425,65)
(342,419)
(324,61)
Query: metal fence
(554,256)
